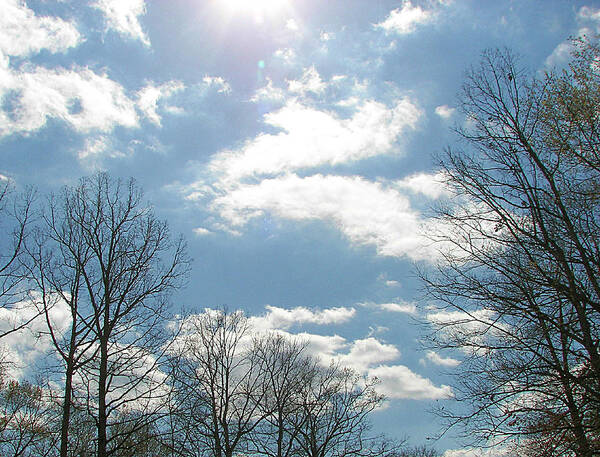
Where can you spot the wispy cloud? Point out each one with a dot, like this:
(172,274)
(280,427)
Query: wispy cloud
(282,318)
(82,98)
(437,359)
(407,308)
(310,137)
(23,33)
(122,16)
(150,96)
(445,111)
(405,20)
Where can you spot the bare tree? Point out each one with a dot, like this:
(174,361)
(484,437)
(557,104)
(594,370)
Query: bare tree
(218,384)
(287,369)
(15,218)
(520,244)
(104,254)
(333,420)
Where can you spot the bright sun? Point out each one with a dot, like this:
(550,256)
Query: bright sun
(258,8)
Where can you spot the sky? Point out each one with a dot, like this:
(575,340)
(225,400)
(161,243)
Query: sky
(291,142)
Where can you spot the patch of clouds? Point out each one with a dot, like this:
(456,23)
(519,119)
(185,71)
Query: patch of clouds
(406,308)
(399,382)
(473,330)
(406,19)
(269,93)
(366,212)
(588,13)
(122,16)
(323,347)
(201,231)
(95,150)
(445,112)
(560,55)
(437,359)
(22,32)
(310,137)
(21,348)
(310,81)
(218,83)
(83,99)
(430,185)
(150,96)
(287,55)
(588,22)
(367,352)
(282,318)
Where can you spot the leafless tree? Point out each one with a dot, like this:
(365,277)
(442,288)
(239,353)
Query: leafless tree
(15,218)
(287,369)
(521,254)
(218,382)
(104,254)
(333,420)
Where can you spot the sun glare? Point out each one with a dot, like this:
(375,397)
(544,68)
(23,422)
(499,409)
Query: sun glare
(258,8)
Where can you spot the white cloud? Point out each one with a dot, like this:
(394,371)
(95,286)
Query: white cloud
(325,348)
(95,150)
(408,308)
(23,347)
(560,55)
(269,93)
(288,55)
(399,382)
(368,213)
(23,33)
(123,17)
(405,20)
(84,99)
(445,111)
(429,184)
(368,352)
(149,97)
(588,13)
(201,231)
(218,83)
(310,81)
(436,359)
(472,329)
(282,318)
(312,137)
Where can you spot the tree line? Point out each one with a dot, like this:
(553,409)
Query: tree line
(126,377)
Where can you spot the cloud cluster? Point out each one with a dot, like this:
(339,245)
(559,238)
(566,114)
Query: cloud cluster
(309,137)
(22,33)
(122,17)
(366,212)
(368,356)
(80,97)
(405,20)
(324,123)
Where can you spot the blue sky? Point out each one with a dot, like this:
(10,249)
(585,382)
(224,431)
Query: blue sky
(290,141)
